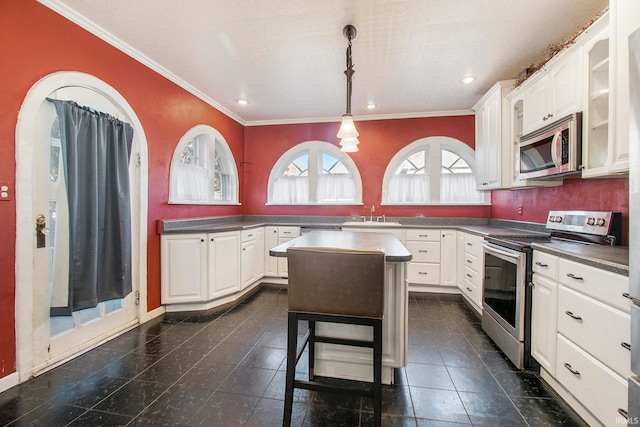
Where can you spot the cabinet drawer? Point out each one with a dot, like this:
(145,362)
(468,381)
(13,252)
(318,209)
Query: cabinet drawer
(473,245)
(422,235)
(287,231)
(424,251)
(472,292)
(472,261)
(602,285)
(472,276)
(248,235)
(427,274)
(592,383)
(598,328)
(545,264)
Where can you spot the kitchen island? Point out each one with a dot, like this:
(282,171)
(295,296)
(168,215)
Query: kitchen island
(351,362)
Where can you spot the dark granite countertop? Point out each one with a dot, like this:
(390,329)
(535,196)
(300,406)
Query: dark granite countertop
(610,258)
(392,247)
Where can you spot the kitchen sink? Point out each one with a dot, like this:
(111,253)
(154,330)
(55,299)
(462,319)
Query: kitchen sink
(371,224)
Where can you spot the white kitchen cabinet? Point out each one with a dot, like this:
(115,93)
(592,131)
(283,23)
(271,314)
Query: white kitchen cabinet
(285,233)
(252,256)
(197,268)
(270,241)
(544,315)
(493,162)
(424,267)
(538,98)
(448,251)
(224,264)
(460,259)
(473,270)
(183,268)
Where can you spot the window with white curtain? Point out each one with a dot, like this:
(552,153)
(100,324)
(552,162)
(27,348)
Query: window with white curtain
(315,172)
(203,170)
(434,170)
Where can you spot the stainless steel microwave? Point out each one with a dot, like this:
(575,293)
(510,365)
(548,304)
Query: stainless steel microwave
(552,151)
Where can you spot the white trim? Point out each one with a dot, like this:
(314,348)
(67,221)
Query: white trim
(24,137)
(314,147)
(156,312)
(9,381)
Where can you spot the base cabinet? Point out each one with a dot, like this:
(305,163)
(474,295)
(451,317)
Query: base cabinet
(224,264)
(274,236)
(252,256)
(184,268)
(544,322)
(473,262)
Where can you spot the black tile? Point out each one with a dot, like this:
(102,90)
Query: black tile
(273,339)
(270,412)
(100,419)
(440,405)
(247,381)
(396,401)
(522,384)
(276,388)
(497,361)
(478,380)
(432,376)
(225,410)
(323,416)
(265,357)
(50,414)
(426,354)
(228,353)
(168,369)
(461,356)
(132,398)
(541,412)
(434,423)
(177,405)
(491,409)
(130,365)
(206,376)
(90,391)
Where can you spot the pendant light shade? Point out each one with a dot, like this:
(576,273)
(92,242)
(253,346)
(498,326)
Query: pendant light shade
(348,134)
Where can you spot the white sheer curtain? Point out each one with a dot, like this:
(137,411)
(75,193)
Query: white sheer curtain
(290,189)
(459,188)
(409,188)
(191,182)
(339,186)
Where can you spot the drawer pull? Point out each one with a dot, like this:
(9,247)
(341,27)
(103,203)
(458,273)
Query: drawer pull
(624,413)
(469,261)
(286,232)
(423,251)
(538,263)
(469,244)
(423,273)
(573,316)
(574,372)
(574,277)
(626,345)
(423,235)
(468,275)
(250,235)
(626,295)
(469,289)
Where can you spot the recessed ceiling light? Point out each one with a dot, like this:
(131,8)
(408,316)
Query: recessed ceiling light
(468,79)
(371,106)
(242,101)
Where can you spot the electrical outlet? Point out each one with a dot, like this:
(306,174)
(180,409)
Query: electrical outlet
(5,190)
(519,209)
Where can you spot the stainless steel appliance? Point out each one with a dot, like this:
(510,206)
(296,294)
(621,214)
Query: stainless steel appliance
(507,274)
(552,151)
(634,226)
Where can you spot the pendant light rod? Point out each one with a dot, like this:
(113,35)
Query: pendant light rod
(349,32)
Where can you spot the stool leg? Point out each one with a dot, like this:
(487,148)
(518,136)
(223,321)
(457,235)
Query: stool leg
(312,349)
(377,374)
(292,345)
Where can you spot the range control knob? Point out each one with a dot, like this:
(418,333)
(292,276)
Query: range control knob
(601,222)
(552,218)
(558,219)
(591,221)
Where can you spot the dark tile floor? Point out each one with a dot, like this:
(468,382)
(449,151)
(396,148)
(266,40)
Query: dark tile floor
(227,368)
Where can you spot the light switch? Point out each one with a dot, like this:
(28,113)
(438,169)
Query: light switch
(5,190)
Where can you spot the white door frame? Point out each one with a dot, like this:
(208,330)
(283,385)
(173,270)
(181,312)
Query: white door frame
(25,236)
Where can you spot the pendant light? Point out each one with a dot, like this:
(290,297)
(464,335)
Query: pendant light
(348,134)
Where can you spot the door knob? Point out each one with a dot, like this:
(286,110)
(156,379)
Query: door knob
(41,239)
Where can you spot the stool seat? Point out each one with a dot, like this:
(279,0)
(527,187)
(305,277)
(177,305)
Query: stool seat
(334,285)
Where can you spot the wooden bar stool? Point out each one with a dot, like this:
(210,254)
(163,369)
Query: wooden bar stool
(338,286)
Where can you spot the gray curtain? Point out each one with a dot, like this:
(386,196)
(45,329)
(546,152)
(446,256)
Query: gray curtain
(96,149)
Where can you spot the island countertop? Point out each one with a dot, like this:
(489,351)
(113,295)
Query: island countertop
(393,249)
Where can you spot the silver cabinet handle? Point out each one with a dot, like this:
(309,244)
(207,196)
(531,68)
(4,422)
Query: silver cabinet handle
(422,272)
(573,371)
(573,316)
(626,295)
(423,251)
(626,345)
(469,289)
(541,264)
(469,261)
(574,277)
(624,413)
(469,275)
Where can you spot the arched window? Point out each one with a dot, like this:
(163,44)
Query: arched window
(203,170)
(315,172)
(434,170)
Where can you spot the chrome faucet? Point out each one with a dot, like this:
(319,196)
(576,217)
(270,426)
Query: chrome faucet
(373,209)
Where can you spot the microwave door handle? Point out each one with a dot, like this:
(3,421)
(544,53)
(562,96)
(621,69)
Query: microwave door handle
(556,149)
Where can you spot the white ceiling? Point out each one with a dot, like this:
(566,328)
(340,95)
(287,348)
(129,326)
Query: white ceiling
(287,57)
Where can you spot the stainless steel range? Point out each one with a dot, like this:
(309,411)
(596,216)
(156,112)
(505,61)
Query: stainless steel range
(507,275)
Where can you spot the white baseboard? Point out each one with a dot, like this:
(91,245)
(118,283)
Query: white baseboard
(9,381)
(155,313)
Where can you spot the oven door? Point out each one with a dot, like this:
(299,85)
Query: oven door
(504,290)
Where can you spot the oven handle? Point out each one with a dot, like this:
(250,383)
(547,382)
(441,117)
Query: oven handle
(492,248)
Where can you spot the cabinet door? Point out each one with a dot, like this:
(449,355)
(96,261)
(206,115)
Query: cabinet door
(459,259)
(492,141)
(259,258)
(224,264)
(481,180)
(270,241)
(544,321)
(567,85)
(248,259)
(538,100)
(448,265)
(184,268)
(283,266)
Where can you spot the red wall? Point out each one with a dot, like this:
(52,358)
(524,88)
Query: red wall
(575,193)
(35,42)
(380,140)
